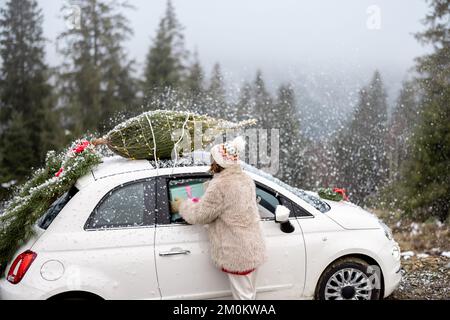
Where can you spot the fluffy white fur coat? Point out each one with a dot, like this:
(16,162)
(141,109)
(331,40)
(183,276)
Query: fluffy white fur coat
(229,208)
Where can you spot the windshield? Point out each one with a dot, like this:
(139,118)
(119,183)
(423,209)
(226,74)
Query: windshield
(314,201)
(45,221)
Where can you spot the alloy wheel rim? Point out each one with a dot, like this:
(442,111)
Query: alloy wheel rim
(348,284)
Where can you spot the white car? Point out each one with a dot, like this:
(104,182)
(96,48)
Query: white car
(113,237)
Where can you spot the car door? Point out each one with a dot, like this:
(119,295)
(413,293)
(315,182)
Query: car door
(282,276)
(183,262)
(119,242)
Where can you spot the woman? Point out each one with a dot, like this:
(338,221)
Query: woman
(229,208)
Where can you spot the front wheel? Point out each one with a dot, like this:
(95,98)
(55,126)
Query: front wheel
(349,279)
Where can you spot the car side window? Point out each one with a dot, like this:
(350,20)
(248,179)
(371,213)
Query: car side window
(267,203)
(123,207)
(268,200)
(299,211)
(296,210)
(182,189)
(45,221)
(193,186)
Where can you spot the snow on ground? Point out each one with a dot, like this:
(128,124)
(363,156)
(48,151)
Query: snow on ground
(425,257)
(425,279)
(407,254)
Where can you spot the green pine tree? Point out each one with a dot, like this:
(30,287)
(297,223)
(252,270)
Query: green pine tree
(17,149)
(96,81)
(263,102)
(281,113)
(215,101)
(29,125)
(361,155)
(425,187)
(194,86)
(165,65)
(245,105)
(293,165)
(403,122)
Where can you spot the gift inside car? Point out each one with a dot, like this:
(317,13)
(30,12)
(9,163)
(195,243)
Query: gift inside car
(192,189)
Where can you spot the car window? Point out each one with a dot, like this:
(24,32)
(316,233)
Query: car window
(182,189)
(267,203)
(268,200)
(45,221)
(311,199)
(195,186)
(296,210)
(299,211)
(122,207)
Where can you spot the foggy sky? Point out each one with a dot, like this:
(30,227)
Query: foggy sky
(286,39)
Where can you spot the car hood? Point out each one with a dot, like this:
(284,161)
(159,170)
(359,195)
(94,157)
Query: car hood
(351,216)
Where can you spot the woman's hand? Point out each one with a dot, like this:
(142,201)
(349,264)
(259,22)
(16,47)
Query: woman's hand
(175,205)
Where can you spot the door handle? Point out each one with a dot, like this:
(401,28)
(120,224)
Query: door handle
(173,253)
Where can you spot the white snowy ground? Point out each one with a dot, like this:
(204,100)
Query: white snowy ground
(426,278)
(425,257)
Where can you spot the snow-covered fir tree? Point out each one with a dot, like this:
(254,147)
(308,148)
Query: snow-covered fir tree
(165,67)
(424,189)
(29,123)
(95,79)
(361,155)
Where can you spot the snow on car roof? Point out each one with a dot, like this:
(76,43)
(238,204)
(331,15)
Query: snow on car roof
(114,165)
(118,165)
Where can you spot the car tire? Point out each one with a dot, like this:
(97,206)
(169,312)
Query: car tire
(348,279)
(76,296)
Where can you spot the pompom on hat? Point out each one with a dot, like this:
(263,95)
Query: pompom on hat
(228,154)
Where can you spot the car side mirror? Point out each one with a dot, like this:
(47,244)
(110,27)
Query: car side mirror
(282,216)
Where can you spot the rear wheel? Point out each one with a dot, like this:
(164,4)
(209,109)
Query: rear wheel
(76,296)
(349,279)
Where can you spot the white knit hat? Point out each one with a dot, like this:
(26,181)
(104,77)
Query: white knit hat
(228,154)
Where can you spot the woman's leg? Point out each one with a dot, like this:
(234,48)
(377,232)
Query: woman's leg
(243,287)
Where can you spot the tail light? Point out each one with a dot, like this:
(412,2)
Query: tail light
(20,266)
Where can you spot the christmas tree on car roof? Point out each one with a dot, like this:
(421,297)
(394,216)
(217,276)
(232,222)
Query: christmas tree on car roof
(153,135)
(147,136)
